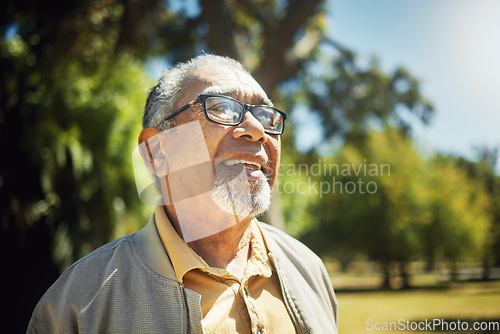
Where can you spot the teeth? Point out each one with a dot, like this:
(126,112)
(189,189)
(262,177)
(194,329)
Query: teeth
(232,162)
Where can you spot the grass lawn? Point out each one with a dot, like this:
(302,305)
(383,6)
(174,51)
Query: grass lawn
(360,301)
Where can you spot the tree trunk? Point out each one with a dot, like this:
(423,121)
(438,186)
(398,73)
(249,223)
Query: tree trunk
(405,277)
(486,270)
(453,271)
(430,263)
(386,283)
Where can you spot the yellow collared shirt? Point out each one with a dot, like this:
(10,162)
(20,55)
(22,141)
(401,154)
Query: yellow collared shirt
(253,304)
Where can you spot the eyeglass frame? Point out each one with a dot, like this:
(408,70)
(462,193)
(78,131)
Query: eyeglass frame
(202,98)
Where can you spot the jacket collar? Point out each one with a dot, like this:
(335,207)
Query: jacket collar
(151,250)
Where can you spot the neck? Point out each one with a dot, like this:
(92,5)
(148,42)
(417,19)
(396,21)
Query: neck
(227,249)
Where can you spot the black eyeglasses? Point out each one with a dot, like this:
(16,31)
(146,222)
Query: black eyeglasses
(225,110)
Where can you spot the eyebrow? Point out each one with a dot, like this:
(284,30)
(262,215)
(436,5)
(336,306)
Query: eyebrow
(232,92)
(219,91)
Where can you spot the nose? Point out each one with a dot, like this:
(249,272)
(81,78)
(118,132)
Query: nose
(250,128)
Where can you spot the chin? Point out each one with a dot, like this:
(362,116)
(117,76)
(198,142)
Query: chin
(243,198)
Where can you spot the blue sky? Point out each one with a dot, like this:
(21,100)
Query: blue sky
(452,46)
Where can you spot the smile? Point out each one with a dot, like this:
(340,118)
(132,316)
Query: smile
(232,162)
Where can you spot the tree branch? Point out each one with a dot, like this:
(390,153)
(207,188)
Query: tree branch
(221,27)
(273,69)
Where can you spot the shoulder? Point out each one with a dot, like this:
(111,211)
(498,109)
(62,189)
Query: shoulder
(79,286)
(112,287)
(86,276)
(305,279)
(113,252)
(292,256)
(276,238)
(278,235)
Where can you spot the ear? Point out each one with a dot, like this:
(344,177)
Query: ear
(151,152)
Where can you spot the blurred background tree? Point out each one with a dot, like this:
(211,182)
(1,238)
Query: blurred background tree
(483,171)
(73,83)
(410,207)
(70,103)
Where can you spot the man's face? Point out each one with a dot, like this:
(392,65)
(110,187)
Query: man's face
(233,148)
(246,141)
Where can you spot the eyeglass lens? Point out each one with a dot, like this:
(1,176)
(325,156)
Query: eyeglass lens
(229,112)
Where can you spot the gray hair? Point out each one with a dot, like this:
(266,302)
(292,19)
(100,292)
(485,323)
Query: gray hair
(164,96)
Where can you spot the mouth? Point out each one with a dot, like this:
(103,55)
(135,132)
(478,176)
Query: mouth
(253,168)
(248,164)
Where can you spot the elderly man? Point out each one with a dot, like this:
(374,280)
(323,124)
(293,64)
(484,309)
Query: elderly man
(203,263)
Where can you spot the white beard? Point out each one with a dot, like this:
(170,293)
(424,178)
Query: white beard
(241,196)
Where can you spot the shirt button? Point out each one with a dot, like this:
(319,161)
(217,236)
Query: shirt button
(259,330)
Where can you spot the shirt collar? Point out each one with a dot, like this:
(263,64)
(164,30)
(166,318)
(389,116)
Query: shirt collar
(184,259)
(258,263)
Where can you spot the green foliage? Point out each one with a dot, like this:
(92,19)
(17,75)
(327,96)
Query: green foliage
(297,194)
(70,129)
(460,217)
(484,173)
(350,99)
(422,207)
(70,112)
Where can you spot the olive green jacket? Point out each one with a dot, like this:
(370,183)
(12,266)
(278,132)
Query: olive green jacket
(129,286)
